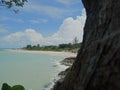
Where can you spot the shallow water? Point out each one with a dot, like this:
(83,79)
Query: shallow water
(32,70)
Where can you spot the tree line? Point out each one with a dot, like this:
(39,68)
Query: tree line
(60,47)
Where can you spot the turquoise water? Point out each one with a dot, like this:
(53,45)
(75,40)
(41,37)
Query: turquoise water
(32,70)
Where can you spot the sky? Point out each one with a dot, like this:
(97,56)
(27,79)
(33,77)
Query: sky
(44,22)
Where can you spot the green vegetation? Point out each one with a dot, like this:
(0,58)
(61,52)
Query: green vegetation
(60,47)
(11,3)
(5,86)
(74,47)
(17,87)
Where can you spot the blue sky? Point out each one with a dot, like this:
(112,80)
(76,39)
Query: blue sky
(47,22)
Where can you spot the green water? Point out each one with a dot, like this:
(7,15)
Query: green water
(31,70)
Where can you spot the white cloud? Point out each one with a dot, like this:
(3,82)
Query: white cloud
(3,18)
(53,11)
(48,10)
(29,36)
(68,30)
(3,29)
(68,1)
(34,21)
(18,20)
(38,21)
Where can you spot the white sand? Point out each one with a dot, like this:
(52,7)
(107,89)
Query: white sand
(67,54)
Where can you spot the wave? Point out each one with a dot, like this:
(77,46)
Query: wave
(59,67)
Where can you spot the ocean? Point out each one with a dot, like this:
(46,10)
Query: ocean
(34,71)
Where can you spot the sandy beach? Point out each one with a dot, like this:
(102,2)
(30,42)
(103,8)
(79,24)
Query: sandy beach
(67,54)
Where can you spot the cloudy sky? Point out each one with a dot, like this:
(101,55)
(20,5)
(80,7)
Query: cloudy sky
(44,22)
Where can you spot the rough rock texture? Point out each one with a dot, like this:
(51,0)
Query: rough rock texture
(98,62)
(68,61)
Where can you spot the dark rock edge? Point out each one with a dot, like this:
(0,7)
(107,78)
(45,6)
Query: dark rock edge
(67,62)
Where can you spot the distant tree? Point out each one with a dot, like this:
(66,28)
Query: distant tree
(28,46)
(63,45)
(75,41)
(38,45)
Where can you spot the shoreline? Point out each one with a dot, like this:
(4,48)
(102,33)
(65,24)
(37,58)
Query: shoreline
(67,54)
(56,77)
(63,63)
(67,63)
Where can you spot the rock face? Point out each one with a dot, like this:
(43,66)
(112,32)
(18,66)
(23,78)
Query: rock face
(68,61)
(97,66)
